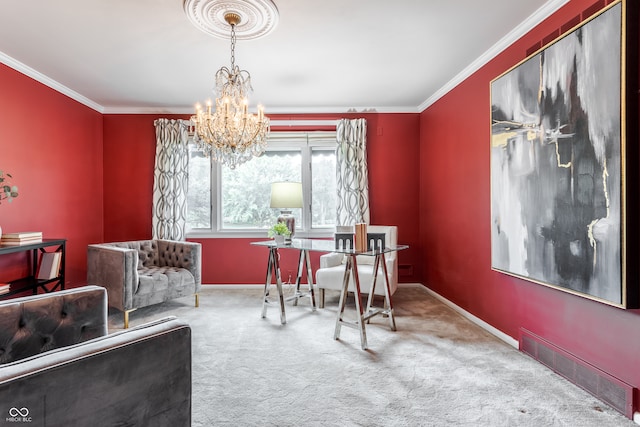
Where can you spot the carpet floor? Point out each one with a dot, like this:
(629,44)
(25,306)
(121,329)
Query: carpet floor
(437,369)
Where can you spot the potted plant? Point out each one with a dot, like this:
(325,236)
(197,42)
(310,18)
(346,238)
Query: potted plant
(7,191)
(279,231)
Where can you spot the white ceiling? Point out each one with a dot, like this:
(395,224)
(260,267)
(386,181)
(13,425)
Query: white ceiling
(130,56)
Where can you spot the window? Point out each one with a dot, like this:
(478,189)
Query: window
(225,201)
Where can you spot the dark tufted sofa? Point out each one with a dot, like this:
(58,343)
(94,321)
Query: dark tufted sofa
(60,367)
(145,272)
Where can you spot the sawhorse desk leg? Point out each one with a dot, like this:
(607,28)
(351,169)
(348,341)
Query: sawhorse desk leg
(273,268)
(303,261)
(363,316)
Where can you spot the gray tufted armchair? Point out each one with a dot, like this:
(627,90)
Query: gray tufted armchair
(145,272)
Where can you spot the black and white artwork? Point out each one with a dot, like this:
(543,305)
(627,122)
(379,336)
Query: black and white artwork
(556,170)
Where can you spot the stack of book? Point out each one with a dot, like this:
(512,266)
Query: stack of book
(21,238)
(4,288)
(361,237)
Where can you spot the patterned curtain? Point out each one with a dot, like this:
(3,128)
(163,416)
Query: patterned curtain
(170,180)
(352,176)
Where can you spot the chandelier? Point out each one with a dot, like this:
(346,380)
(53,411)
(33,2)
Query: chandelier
(230,134)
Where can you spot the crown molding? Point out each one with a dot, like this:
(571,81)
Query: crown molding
(38,76)
(268,110)
(538,16)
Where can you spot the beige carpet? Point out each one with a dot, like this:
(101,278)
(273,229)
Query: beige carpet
(438,369)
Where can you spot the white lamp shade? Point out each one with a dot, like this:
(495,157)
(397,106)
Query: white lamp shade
(286,195)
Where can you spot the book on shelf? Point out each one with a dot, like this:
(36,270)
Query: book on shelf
(19,242)
(49,266)
(21,237)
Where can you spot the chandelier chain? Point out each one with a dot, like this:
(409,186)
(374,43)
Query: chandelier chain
(230,134)
(233,46)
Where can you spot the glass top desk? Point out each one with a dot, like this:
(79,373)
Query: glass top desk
(351,271)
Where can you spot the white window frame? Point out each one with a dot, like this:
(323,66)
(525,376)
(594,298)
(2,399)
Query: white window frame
(303,141)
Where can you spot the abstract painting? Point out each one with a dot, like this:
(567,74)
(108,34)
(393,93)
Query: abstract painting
(557,166)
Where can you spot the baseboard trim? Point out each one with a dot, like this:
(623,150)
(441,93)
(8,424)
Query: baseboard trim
(234,286)
(484,325)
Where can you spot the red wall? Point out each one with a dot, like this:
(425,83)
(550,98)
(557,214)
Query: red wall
(129,155)
(455,229)
(52,145)
(129,150)
(88,178)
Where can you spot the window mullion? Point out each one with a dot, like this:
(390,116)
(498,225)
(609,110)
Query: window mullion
(216,196)
(306,186)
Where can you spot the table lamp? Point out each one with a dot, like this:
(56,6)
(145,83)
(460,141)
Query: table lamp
(286,196)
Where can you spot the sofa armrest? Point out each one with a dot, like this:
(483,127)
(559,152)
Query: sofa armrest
(140,376)
(115,269)
(331,259)
(38,323)
(179,254)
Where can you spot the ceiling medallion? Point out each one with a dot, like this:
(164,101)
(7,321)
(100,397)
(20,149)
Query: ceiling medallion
(257,17)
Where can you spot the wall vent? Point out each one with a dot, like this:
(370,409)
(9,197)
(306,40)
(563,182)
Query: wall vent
(570,24)
(609,389)
(600,4)
(405,270)
(551,37)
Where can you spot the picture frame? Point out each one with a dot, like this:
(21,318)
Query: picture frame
(563,161)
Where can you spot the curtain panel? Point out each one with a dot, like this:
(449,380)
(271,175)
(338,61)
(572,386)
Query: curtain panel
(352,177)
(170,180)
